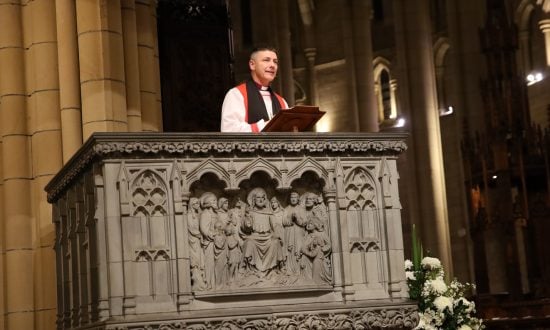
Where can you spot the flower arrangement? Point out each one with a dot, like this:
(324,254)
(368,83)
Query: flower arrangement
(440,305)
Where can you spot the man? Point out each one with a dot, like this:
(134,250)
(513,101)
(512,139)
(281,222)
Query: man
(249,106)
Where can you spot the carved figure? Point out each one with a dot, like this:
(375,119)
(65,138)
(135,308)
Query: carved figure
(220,254)
(316,249)
(262,252)
(320,209)
(207,220)
(234,245)
(277,219)
(223,210)
(196,253)
(293,221)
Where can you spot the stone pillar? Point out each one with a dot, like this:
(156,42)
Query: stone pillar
(393,98)
(147,73)
(309,51)
(44,126)
(69,91)
(330,195)
(17,211)
(101,56)
(466,64)
(545,28)
(427,167)
(131,65)
(348,45)
(524,58)
(311,75)
(156,63)
(285,52)
(364,72)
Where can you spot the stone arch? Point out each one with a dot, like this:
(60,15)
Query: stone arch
(441,47)
(259,164)
(209,166)
(306,165)
(523,13)
(384,87)
(522,18)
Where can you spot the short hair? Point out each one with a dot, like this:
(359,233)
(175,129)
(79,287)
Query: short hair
(262,48)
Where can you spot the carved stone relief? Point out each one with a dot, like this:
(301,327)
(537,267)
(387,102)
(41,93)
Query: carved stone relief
(261,240)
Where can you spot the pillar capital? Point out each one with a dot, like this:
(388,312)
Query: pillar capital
(545,28)
(310,53)
(545,25)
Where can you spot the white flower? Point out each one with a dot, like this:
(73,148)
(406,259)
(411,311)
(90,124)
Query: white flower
(443,302)
(464,327)
(410,276)
(408,264)
(436,286)
(431,263)
(469,306)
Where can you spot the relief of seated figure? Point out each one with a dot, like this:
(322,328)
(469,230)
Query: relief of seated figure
(262,251)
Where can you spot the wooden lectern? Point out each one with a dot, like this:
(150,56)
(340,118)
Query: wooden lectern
(299,118)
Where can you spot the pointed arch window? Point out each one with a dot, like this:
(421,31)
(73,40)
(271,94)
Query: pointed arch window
(385,88)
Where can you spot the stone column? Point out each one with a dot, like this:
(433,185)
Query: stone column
(44,126)
(101,56)
(330,195)
(393,97)
(147,73)
(545,28)
(309,51)
(364,72)
(348,45)
(285,52)
(524,58)
(131,65)
(311,75)
(156,63)
(427,167)
(17,212)
(69,87)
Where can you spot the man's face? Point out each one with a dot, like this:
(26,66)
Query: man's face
(214,203)
(294,199)
(310,200)
(263,66)
(260,200)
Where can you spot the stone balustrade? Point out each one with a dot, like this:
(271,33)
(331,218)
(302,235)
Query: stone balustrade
(231,231)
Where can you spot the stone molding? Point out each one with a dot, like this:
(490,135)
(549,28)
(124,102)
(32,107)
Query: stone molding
(109,145)
(359,318)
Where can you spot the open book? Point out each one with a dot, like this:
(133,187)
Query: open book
(299,118)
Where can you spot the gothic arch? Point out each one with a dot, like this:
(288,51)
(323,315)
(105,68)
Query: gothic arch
(441,47)
(380,63)
(523,14)
(306,165)
(258,165)
(384,88)
(209,166)
(522,18)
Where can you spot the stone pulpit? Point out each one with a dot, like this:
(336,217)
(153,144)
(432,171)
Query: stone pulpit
(231,231)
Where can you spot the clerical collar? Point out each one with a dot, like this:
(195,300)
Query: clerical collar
(260,87)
